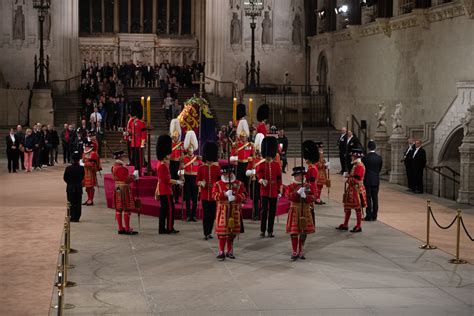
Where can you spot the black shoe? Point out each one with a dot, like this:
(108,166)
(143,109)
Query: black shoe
(342,227)
(293,257)
(230,255)
(193,219)
(374,219)
(210,237)
(262,235)
(221,257)
(163,232)
(367,219)
(89,204)
(356,230)
(85,203)
(322,202)
(270,235)
(174,231)
(206,237)
(188,219)
(131,232)
(302,257)
(122,232)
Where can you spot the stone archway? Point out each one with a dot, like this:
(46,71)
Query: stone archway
(323,72)
(449,154)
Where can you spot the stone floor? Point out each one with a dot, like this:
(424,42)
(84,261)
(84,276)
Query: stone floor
(378,272)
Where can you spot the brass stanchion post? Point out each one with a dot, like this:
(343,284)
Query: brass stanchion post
(428,246)
(457,260)
(65,259)
(61,305)
(68,239)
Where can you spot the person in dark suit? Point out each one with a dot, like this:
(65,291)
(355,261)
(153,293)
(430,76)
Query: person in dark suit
(73,176)
(12,151)
(20,135)
(341,145)
(373,164)
(407,160)
(418,165)
(351,143)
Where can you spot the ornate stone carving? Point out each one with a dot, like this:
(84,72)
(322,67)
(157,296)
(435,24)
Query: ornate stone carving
(267,29)
(469,8)
(384,25)
(397,118)
(380,116)
(235,29)
(355,32)
(467,126)
(19,24)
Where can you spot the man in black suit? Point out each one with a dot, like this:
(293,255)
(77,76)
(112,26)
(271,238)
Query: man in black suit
(418,165)
(12,151)
(373,164)
(341,145)
(20,135)
(407,160)
(73,176)
(351,143)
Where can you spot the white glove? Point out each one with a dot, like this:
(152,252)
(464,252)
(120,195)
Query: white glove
(231,198)
(254,172)
(328,165)
(263,182)
(228,193)
(303,195)
(202,183)
(279,195)
(180,173)
(81,163)
(300,190)
(135,174)
(248,173)
(125,134)
(233,158)
(345,175)
(180,182)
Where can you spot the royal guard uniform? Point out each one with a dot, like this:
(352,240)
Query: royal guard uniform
(164,190)
(242,150)
(300,218)
(229,194)
(123,196)
(176,156)
(208,174)
(270,179)
(311,156)
(92,137)
(354,193)
(191,164)
(90,160)
(323,174)
(252,174)
(137,133)
(262,117)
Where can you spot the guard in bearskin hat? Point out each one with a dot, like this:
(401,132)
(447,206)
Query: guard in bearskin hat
(176,156)
(242,149)
(208,174)
(270,180)
(136,134)
(73,176)
(354,193)
(251,173)
(300,218)
(164,190)
(311,156)
(229,194)
(123,196)
(262,117)
(90,159)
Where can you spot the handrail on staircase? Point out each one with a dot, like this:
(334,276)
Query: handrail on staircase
(441,176)
(355,123)
(67,81)
(218,83)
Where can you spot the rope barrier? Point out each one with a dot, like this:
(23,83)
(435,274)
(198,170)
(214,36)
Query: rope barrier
(436,222)
(465,230)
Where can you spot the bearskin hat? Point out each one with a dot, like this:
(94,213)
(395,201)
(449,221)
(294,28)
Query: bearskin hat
(241,111)
(298,170)
(269,147)
(310,151)
(175,128)
(210,152)
(190,140)
(118,154)
(225,168)
(136,109)
(258,142)
(263,112)
(357,152)
(163,146)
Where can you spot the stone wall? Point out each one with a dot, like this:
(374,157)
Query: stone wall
(17,110)
(416,59)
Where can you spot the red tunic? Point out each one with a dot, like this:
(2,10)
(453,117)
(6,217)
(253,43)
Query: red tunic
(91,166)
(226,210)
(191,165)
(210,173)
(262,128)
(312,178)
(355,196)
(270,171)
(176,151)
(243,151)
(164,185)
(137,132)
(123,196)
(299,221)
(322,172)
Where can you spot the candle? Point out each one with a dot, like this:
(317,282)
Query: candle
(142,101)
(234,111)
(251,111)
(148,111)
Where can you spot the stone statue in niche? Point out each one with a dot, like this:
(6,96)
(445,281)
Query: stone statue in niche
(19,24)
(235,29)
(380,116)
(397,119)
(466,122)
(267,29)
(296,34)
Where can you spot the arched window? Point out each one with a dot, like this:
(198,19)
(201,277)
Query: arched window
(322,72)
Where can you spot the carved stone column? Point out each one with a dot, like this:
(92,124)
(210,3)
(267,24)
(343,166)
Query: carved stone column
(398,143)
(381,138)
(466,187)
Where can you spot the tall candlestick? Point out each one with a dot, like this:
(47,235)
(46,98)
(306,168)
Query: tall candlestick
(234,111)
(250,111)
(142,101)
(148,111)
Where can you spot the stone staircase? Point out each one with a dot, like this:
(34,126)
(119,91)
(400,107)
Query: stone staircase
(221,107)
(67,109)
(316,134)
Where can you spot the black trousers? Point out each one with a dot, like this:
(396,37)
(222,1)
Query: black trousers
(190,194)
(21,156)
(174,168)
(342,159)
(66,153)
(12,156)
(410,176)
(75,199)
(268,212)
(137,159)
(37,157)
(241,176)
(209,215)
(418,180)
(285,163)
(372,192)
(255,195)
(166,222)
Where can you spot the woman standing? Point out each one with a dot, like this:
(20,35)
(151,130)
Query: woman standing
(29,147)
